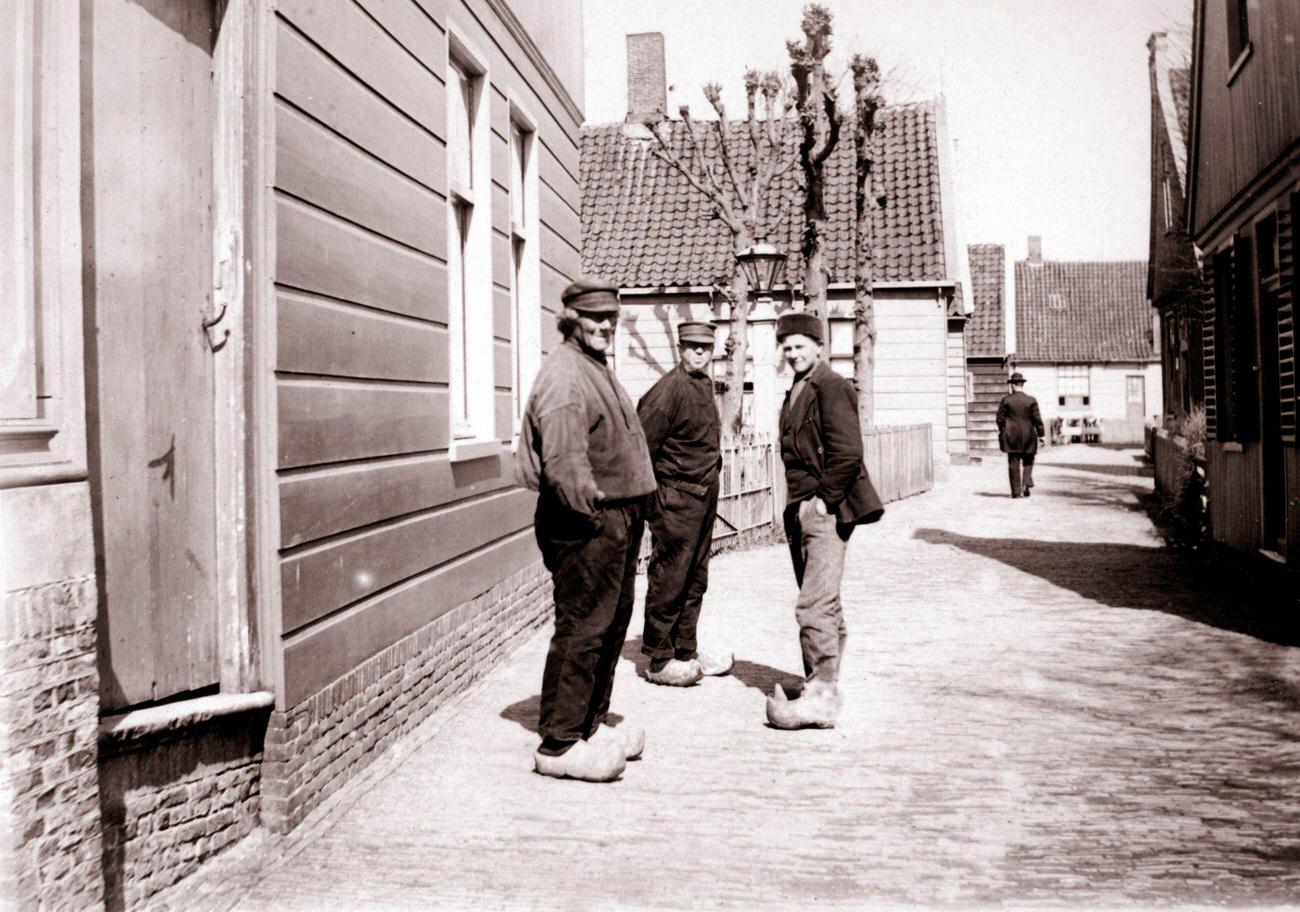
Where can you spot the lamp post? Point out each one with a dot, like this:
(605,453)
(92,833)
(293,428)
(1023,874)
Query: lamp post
(763,265)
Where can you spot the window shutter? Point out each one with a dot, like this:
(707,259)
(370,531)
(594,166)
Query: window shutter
(1225,343)
(1286,317)
(1245,382)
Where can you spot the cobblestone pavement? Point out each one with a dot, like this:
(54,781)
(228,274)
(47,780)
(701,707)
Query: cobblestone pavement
(1044,708)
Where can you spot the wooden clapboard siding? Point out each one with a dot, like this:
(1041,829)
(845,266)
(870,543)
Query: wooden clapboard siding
(322,336)
(318,252)
(380,530)
(989,385)
(326,501)
(332,421)
(1292,459)
(321,168)
(325,90)
(316,655)
(332,575)
(1244,127)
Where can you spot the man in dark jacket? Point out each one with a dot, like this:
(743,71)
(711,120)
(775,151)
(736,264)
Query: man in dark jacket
(829,493)
(683,432)
(1019,427)
(582,449)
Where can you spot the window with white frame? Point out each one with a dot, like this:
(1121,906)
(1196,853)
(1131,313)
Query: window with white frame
(525,260)
(469,254)
(1072,386)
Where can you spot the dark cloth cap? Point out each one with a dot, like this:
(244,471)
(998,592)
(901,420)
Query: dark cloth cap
(1017,377)
(591,296)
(695,331)
(799,323)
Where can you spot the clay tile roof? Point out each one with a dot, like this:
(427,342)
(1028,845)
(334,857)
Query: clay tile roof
(645,226)
(986,328)
(1083,312)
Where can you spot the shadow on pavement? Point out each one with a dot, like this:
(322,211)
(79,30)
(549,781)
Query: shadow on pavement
(1122,576)
(751,674)
(525,712)
(1135,471)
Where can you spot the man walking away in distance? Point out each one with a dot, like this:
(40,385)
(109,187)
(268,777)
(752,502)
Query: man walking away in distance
(829,493)
(1019,427)
(684,433)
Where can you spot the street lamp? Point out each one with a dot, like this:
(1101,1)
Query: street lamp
(762,265)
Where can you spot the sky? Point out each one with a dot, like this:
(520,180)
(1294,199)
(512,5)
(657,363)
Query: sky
(1048,101)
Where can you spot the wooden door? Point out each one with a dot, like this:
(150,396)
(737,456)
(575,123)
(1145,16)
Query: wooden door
(147,196)
(1135,397)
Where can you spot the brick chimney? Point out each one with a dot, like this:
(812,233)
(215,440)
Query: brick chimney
(1035,250)
(647,85)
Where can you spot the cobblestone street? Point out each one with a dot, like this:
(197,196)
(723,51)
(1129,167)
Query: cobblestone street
(1044,707)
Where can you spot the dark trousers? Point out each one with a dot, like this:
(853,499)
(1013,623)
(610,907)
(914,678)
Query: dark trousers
(1020,481)
(594,571)
(682,531)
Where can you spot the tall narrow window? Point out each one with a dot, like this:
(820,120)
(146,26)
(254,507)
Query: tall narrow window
(525,279)
(1238,29)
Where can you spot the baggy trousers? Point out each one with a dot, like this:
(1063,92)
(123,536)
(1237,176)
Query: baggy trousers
(817,546)
(1020,481)
(682,531)
(594,572)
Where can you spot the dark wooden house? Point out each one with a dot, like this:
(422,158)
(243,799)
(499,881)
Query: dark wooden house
(275,277)
(1243,201)
(987,333)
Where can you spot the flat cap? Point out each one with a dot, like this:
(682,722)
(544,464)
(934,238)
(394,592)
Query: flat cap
(591,296)
(695,331)
(798,322)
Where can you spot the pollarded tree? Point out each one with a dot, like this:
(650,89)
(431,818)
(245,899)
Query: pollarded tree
(820,124)
(736,168)
(867,102)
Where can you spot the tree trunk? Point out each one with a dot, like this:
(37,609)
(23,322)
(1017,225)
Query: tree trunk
(866,103)
(737,346)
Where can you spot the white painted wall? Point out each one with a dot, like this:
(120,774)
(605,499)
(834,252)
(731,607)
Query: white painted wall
(1106,387)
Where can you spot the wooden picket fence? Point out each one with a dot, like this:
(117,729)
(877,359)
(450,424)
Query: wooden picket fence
(900,460)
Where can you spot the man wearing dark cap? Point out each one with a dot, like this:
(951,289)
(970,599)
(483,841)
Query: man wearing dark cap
(1019,427)
(829,493)
(683,432)
(582,449)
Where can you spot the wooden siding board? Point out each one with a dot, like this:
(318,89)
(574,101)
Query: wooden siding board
(501,214)
(558,217)
(414,29)
(501,260)
(319,253)
(345,32)
(502,364)
(552,173)
(560,253)
(505,414)
(318,582)
(319,167)
(499,111)
(501,317)
(328,421)
(319,336)
(343,642)
(329,501)
(319,86)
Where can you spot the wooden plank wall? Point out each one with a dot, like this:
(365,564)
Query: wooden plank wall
(1235,480)
(1246,125)
(380,532)
(958,437)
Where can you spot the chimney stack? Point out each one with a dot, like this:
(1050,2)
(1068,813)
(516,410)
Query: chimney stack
(1035,250)
(647,85)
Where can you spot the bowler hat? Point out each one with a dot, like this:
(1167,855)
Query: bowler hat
(695,331)
(591,296)
(1016,379)
(798,322)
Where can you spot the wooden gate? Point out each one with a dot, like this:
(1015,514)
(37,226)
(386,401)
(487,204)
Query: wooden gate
(147,203)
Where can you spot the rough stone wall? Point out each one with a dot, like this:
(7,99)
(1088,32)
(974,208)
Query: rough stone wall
(49,704)
(173,800)
(316,746)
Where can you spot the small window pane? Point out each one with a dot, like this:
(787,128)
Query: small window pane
(460,116)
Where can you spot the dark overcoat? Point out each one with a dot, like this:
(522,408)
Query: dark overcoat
(1019,423)
(821,441)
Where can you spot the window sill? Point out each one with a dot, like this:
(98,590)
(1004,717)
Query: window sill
(1240,62)
(1232,446)
(137,725)
(477,448)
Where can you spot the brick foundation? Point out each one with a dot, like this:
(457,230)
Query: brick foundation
(174,797)
(316,746)
(49,702)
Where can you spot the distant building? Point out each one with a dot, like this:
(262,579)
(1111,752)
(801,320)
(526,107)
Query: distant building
(648,231)
(1243,202)
(989,335)
(1173,267)
(1085,341)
